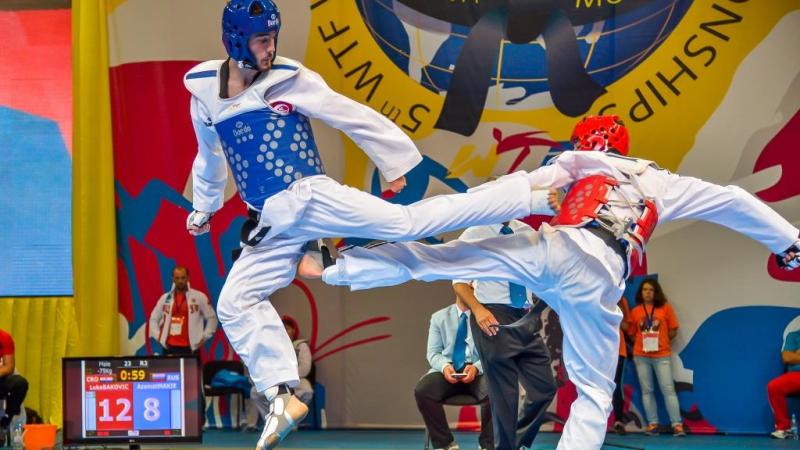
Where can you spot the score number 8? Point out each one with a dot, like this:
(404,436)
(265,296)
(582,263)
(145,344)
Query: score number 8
(151,411)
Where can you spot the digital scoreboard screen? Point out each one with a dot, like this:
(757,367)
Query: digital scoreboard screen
(150,399)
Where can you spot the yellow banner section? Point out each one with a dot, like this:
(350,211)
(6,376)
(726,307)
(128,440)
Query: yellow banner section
(44,331)
(342,49)
(93,222)
(682,82)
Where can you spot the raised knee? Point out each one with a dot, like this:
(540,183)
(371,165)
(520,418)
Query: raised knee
(226,307)
(419,390)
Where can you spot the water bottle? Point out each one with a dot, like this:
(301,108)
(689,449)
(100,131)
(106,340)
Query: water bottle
(795,436)
(16,437)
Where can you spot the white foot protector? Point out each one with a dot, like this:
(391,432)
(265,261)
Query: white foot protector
(330,275)
(285,414)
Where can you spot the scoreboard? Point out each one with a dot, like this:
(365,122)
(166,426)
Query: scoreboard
(132,397)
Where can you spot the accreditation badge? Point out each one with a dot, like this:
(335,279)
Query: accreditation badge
(650,341)
(176,326)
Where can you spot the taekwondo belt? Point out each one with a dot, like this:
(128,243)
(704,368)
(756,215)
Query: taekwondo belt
(618,245)
(248,226)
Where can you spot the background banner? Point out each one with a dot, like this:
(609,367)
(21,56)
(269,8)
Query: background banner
(707,88)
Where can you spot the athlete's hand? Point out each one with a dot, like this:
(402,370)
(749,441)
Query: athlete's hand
(397,185)
(485,320)
(199,222)
(790,258)
(787,258)
(554,199)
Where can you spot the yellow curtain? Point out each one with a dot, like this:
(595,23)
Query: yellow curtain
(44,331)
(93,211)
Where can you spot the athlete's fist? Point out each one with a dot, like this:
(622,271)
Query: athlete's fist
(397,185)
(790,258)
(554,199)
(199,222)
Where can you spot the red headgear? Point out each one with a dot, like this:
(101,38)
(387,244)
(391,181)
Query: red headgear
(601,133)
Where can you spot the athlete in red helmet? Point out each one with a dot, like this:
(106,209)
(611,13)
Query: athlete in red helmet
(578,264)
(601,133)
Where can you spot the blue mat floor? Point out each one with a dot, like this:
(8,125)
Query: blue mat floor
(413,439)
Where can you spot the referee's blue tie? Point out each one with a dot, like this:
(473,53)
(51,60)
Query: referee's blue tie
(460,346)
(516,292)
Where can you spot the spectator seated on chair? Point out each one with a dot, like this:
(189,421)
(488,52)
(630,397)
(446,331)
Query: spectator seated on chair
(305,370)
(455,372)
(785,385)
(13,387)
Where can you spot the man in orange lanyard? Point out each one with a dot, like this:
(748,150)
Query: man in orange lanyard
(177,319)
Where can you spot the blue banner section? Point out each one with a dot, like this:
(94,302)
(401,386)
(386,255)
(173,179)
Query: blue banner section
(36,200)
(733,356)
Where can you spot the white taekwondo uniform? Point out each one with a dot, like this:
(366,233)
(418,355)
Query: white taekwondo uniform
(573,269)
(264,135)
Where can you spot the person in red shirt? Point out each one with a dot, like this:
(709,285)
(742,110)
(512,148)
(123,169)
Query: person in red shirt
(13,387)
(183,319)
(653,325)
(787,384)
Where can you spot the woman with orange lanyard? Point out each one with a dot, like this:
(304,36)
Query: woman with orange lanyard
(653,325)
(618,400)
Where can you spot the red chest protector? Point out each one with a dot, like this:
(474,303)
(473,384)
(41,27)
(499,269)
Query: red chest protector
(584,200)
(641,231)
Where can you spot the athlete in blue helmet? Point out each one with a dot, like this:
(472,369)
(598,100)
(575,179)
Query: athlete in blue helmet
(251,113)
(242,21)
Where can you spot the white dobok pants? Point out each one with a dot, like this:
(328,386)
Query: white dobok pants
(572,279)
(318,207)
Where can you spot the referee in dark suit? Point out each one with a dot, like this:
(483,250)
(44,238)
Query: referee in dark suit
(511,355)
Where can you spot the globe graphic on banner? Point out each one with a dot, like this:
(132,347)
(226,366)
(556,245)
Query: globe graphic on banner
(427,48)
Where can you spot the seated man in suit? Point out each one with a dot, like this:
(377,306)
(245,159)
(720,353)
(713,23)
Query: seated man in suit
(455,369)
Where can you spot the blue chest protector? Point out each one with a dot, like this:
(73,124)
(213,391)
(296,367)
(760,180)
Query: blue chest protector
(267,152)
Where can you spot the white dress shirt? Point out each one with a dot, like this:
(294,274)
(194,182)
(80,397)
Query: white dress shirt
(495,292)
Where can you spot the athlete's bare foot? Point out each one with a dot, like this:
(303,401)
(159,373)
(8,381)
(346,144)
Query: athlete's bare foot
(309,267)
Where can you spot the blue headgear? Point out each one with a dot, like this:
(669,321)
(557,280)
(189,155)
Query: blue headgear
(241,19)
